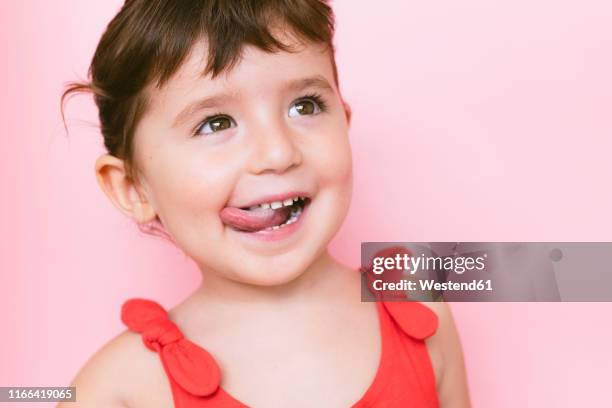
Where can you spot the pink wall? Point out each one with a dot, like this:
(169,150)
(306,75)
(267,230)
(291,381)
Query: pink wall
(498,113)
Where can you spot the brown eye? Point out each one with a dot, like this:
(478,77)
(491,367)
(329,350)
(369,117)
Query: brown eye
(304,107)
(215,124)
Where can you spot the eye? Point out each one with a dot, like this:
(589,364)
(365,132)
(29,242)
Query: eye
(309,105)
(214,124)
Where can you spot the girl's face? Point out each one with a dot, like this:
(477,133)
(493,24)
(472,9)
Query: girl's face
(278,127)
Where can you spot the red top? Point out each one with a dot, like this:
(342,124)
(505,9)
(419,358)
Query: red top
(405,376)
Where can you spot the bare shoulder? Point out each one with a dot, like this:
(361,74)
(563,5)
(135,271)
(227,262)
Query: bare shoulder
(118,374)
(447,358)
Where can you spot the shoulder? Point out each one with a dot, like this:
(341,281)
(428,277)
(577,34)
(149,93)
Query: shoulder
(444,342)
(433,323)
(446,354)
(114,375)
(444,318)
(445,339)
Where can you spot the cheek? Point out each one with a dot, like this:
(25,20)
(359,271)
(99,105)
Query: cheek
(333,158)
(190,188)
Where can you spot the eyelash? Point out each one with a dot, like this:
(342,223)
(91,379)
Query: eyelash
(315,97)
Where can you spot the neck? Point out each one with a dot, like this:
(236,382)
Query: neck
(320,280)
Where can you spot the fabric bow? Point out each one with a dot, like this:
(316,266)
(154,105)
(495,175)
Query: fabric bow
(414,318)
(191,366)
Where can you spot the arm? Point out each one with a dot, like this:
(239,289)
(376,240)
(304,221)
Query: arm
(98,382)
(452,379)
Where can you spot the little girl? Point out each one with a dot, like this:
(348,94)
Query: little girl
(226,132)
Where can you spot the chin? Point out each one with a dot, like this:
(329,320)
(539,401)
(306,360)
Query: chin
(265,274)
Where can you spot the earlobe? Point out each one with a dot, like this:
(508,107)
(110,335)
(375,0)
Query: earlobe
(123,192)
(347,111)
(142,211)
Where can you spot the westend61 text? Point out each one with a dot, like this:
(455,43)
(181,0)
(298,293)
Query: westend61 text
(431,284)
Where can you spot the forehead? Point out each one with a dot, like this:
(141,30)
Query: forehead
(256,72)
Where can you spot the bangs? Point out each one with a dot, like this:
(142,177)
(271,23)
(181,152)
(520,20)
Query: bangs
(159,35)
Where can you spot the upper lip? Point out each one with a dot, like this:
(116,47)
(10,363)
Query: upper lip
(275,197)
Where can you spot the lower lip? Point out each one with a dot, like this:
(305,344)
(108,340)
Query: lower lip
(279,234)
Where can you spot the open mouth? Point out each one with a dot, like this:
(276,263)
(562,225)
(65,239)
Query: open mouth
(266,216)
(290,213)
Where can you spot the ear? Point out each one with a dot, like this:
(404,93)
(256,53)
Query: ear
(123,192)
(347,111)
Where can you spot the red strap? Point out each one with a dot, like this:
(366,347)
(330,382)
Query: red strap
(191,366)
(412,317)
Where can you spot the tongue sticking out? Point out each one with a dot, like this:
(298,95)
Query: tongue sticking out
(253,220)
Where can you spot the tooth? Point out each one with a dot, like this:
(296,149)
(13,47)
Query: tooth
(254,207)
(265,206)
(276,204)
(275,227)
(288,201)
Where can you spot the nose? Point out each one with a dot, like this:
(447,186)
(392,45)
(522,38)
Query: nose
(275,148)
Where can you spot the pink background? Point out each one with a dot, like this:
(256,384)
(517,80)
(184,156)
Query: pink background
(473,120)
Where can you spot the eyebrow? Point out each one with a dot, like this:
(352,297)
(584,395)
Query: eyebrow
(295,85)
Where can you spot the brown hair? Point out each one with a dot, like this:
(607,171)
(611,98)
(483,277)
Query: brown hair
(148,40)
